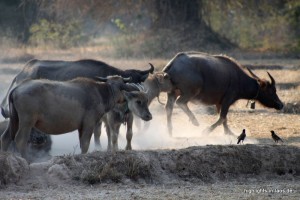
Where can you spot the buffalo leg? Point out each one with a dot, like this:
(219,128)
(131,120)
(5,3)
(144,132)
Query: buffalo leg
(146,125)
(224,110)
(226,128)
(21,139)
(213,126)
(222,119)
(6,140)
(97,134)
(109,134)
(9,134)
(141,125)
(115,134)
(85,138)
(129,132)
(138,123)
(169,109)
(182,103)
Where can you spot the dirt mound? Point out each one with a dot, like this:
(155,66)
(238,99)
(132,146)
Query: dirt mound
(12,168)
(202,172)
(205,164)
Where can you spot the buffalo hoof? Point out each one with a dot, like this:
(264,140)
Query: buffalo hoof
(128,147)
(170,133)
(194,122)
(207,131)
(98,147)
(228,132)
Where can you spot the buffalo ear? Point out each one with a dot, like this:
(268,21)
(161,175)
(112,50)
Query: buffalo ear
(262,84)
(160,78)
(127,95)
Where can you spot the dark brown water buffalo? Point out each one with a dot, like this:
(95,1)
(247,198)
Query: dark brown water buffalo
(56,107)
(120,114)
(67,70)
(214,80)
(39,143)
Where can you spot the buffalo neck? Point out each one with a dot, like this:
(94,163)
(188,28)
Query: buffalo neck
(110,95)
(152,88)
(116,95)
(249,88)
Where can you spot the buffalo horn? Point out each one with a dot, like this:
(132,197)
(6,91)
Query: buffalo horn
(166,75)
(151,70)
(128,79)
(272,79)
(252,74)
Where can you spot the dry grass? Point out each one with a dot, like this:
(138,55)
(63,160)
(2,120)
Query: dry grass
(12,168)
(195,164)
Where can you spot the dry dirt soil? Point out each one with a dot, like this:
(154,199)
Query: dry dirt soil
(188,165)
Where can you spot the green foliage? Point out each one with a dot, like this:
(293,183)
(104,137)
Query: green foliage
(294,20)
(255,25)
(61,35)
(118,22)
(263,25)
(122,41)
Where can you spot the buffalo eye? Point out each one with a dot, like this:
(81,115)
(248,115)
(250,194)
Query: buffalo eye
(138,102)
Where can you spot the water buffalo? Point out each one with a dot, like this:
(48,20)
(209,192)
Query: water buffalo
(67,70)
(120,114)
(154,85)
(214,80)
(39,143)
(56,107)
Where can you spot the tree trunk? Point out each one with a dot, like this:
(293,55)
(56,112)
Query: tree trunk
(174,12)
(185,18)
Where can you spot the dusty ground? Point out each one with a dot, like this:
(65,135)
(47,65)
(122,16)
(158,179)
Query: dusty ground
(211,172)
(181,167)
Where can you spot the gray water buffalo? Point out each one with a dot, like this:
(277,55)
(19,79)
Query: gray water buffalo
(214,80)
(56,107)
(67,70)
(120,114)
(39,143)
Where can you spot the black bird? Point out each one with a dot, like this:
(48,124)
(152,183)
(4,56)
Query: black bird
(275,137)
(242,137)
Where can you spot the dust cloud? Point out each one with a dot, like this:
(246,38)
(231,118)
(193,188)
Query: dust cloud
(184,135)
(156,136)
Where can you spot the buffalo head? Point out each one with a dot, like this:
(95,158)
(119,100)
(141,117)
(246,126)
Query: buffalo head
(164,81)
(266,93)
(139,76)
(138,104)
